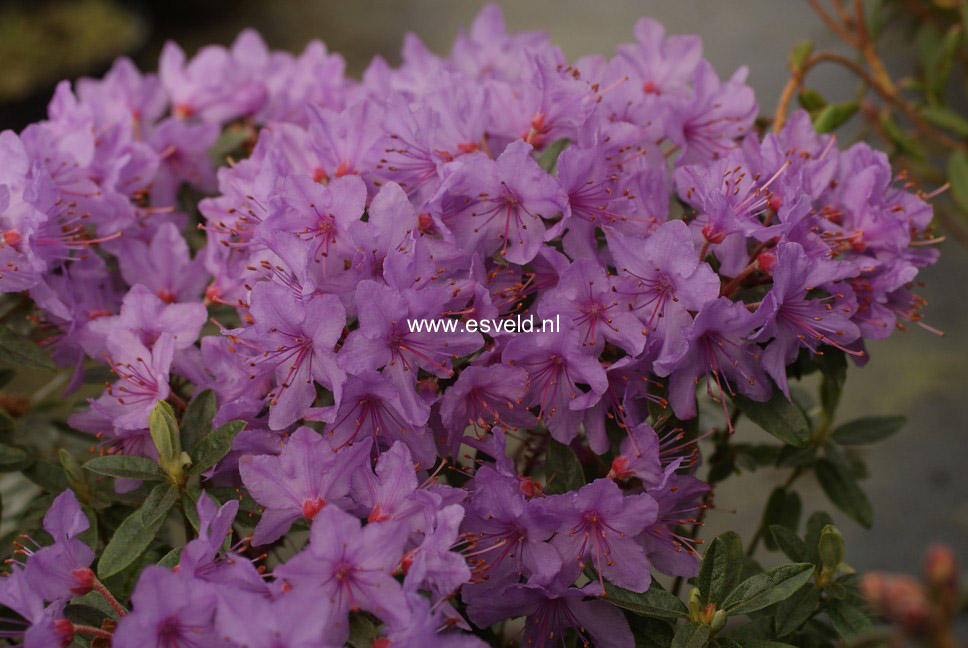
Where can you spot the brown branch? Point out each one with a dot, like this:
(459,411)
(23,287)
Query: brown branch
(834,26)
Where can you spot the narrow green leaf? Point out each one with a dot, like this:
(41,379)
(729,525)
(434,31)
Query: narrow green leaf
(164,433)
(158,504)
(132,538)
(789,543)
(171,558)
(213,446)
(363,632)
(783,508)
(691,635)
(832,548)
(722,566)
(21,352)
(815,526)
(197,420)
(799,54)
(958,175)
(189,501)
(794,612)
(869,429)
(833,365)
(843,491)
(848,620)
(941,116)
(770,587)
(654,602)
(563,470)
(126,467)
(733,642)
(7,425)
(14,458)
(778,416)
(548,158)
(832,116)
(649,632)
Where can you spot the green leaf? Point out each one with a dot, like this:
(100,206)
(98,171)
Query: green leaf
(948,119)
(843,491)
(783,508)
(649,632)
(794,612)
(654,602)
(811,100)
(832,548)
(958,175)
(799,54)
(770,587)
(21,352)
(548,159)
(778,416)
(848,620)
(691,635)
(196,423)
(126,467)
(562,469)
(869,429)
(722,566)
(213,446)
(363,632)
(7,425)
(132,538)
(189,501)
(789,543)
(833,365)
(164,433)
(171,558)
(732,642)
(815,526)
(832,116)
(901,138)
(158,504)
(47,475)
(14,458)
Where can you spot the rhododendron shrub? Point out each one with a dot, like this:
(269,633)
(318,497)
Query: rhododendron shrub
(238,247)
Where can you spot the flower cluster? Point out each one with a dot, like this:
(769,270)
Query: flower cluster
(629,196)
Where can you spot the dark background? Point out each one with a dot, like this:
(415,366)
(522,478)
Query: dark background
(919,478)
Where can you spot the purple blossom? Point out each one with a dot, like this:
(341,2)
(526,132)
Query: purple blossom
(306,477)
(350,567)
(597,527)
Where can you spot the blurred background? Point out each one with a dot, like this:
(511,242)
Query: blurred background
(919,478)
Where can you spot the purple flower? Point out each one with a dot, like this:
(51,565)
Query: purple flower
(203,558)
(552,610)
(300,482)
(792,318)
(142,382)
(598,525)
(372,407)
(556,363)
(62,570)
(498,205)
(718,351)
(679,504)
(296,340)
(296,619)
(163,265)
(664,278)
(483,397)
(507,534)
(351,567)
(584,296)
(169,611)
